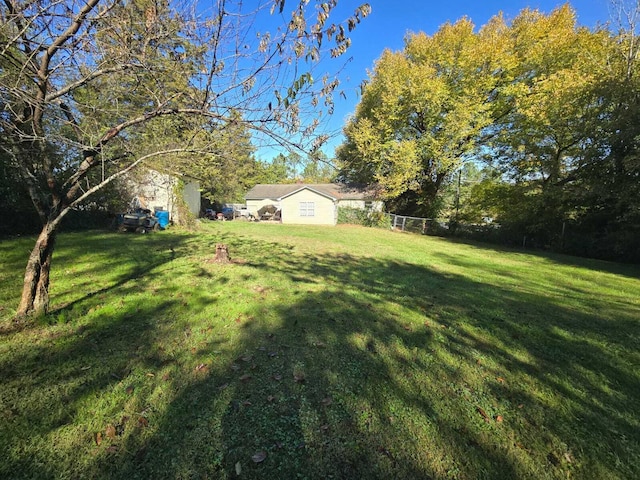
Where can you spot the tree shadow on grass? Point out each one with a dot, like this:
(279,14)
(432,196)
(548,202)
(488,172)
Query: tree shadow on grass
(390,370)
(605,266)
(363,369)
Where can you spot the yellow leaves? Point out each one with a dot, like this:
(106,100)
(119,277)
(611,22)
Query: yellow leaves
(400,166)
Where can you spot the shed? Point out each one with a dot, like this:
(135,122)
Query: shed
(166,191)
(314,204)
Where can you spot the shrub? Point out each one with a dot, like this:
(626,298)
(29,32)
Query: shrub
(367,218)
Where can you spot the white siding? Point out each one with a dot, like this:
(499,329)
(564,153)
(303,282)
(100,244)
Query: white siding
(323,208)
(157,191)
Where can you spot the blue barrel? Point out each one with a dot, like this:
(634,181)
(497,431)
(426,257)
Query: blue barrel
(163,218)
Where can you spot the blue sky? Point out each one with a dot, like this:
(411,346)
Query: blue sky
(391,20)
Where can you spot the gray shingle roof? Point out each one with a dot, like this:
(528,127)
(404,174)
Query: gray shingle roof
(336,191)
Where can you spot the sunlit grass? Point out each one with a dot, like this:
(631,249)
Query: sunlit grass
(333,352)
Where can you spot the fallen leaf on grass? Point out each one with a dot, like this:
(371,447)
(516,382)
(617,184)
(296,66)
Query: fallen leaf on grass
(247,403)
(277,377)
(223,386)
(273,354)
(245,378)
(500,380)
(270,398)
(319,344)
(238,468)
(129,389)
(299,377)
(324,427)
(151,374)
(111,431)
(499,418)
(166,377)
(483,414)
(112,449)
(235,367)
(98,438)
(327,401)
(143,422)
(259,457)
(202,366)
(246,358)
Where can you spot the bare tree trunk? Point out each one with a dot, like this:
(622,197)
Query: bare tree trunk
(35,290)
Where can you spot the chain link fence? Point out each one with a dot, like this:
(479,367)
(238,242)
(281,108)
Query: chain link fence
(405,223)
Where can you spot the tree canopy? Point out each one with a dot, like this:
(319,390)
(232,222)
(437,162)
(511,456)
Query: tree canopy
(548,107)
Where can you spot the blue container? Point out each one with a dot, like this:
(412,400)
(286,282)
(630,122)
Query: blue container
(163,218)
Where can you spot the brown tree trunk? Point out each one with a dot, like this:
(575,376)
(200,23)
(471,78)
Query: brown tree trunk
(35,290)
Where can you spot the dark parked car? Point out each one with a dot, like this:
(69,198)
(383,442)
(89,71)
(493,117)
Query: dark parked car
(228,213)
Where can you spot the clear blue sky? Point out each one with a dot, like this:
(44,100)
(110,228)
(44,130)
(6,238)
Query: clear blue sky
(391,20)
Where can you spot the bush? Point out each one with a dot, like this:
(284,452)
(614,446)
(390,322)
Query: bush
(366,218)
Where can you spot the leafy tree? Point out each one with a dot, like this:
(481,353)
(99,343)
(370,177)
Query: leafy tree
(275,171)
(551,107)
(550,114)
(87,85)
(318,169)
(606,186)
(422,113)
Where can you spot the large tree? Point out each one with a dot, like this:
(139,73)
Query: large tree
(552,107)
(422,112)
(86,85)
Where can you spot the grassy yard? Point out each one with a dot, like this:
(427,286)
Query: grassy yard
(318,353)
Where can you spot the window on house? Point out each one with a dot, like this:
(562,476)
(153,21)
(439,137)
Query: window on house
(307,209)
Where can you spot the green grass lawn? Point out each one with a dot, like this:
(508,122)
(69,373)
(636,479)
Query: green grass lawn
(318,353)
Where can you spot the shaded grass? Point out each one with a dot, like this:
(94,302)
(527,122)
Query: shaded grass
(338,352)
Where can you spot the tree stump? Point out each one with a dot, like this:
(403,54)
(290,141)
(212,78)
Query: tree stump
(222,254)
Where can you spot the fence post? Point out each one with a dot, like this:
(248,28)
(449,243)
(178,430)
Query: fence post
(404,221)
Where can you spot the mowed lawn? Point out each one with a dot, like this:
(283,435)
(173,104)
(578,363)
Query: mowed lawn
(340,352)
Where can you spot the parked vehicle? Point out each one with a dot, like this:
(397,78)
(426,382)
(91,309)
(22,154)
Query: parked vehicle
(228,213)
(141,220)
(210,214)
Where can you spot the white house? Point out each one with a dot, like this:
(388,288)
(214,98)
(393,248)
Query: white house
(315,204)
(162,191)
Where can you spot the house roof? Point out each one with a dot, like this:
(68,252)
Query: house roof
(335,191)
